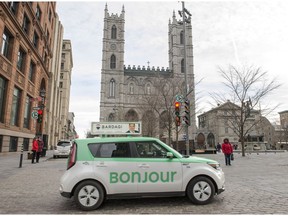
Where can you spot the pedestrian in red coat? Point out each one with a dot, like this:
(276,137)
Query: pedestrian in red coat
(227,150)
(34,148)
(39,151)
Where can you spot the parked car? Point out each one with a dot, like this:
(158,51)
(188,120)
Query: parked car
(62,149)
(127,167)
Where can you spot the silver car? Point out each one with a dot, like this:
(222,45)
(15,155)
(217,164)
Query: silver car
(62,149)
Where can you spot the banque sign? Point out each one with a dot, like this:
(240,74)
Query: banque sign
(117,128)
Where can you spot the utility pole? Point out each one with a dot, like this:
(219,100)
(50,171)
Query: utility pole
(184,13)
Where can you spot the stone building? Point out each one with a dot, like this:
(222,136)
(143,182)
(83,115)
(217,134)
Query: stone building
(282,132)
(222,122)
(26,51)
(30,64)
(132,93)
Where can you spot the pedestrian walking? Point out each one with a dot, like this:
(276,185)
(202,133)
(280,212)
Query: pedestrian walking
(34,149)
(227,150)
(218,147)
(39,150)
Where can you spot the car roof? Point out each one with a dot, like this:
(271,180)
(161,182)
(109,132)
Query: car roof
(113,139)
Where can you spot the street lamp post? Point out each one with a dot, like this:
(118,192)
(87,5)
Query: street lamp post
(186,18)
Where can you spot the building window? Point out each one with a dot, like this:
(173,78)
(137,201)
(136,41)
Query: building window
(226,130)
(112,88)
(181,37)
(113,62)
(32,71)
(27,112)
(35,39)
(62,66)
(182,66)
(15,109)
(26,24)
(113,32)
(3,86)
(38,13)
(7,41)
(21,59)
(61,85)
(13,145)
(148,89)
(61,75)
(63,55)
(26,144)
(131,88)
(13,6)
(50,15)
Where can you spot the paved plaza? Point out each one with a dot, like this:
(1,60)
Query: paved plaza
(255,184)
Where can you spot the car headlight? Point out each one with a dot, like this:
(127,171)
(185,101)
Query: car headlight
(215,166)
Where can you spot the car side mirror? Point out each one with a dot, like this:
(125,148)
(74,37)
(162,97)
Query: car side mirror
(169,155)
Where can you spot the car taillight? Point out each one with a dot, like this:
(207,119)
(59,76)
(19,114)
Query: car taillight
(72,156)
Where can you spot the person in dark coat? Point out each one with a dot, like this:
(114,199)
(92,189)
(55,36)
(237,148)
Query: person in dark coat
(34,149)
(39,150)
(227,150)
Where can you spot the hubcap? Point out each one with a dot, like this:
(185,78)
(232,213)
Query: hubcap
(202,191)
(88,195)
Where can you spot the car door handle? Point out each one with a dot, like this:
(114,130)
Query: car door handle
(145,166)
(102,164)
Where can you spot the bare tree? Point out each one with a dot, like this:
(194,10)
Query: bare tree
(161,103)
(246,88)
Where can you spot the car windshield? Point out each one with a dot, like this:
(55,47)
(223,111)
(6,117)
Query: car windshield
(63,144)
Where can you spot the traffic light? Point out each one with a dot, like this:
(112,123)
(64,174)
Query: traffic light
(177,113)
(186,116)
(40,116)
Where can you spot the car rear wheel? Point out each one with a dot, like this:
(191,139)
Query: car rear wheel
(89,195)
(200,190)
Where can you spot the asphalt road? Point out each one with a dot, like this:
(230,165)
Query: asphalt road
(255,184)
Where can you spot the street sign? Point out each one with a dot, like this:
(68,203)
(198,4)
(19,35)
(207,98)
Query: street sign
(180,98)
(35,108)
(34,115)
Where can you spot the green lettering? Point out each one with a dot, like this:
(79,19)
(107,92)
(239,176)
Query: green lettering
(145,178)
(172,176)
(137,174)
(156,177)
(162,177)
(122,177)
(113,177)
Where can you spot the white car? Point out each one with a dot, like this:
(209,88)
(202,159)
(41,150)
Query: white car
(62,149)
(126,167)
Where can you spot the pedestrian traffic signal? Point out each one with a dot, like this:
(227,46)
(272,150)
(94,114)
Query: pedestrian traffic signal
(177,113)
(186,116)
(40,116)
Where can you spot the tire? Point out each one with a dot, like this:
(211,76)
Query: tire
(200,190)
(89,195)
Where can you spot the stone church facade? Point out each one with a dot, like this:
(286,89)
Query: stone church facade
(126,91)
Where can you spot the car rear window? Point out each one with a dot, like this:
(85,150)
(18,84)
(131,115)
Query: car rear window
(63,144)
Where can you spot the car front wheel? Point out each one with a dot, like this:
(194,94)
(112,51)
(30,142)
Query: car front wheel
(89,195)
(200,190)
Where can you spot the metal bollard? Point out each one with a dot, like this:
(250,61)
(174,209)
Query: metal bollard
(21,156)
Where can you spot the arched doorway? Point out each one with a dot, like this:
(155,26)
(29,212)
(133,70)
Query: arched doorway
(200,141)
(211,140)
(131,115)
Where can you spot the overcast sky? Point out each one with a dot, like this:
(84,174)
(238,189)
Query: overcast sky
(224,33)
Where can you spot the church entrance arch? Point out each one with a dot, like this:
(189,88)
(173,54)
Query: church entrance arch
(201,141)
(131,115)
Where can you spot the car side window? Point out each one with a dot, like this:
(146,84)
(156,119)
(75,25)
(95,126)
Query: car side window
(110,150)
(150,150)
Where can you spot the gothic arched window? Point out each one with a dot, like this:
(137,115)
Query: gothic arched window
(131,88)
(113,32)
(181,37)
(113,62)
(182,66)
(148,89)
(112,88)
